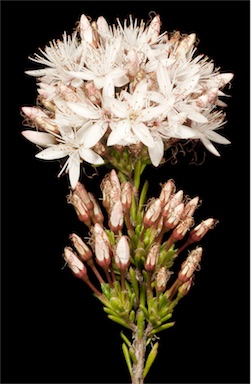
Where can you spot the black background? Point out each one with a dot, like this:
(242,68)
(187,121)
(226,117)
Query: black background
(53,329)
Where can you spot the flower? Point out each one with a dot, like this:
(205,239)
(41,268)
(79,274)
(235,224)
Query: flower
(71,146)
(128,85)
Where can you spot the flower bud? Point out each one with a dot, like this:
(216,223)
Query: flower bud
(198,232)
(154,29)
(80,208)
(126,196)
(190,208)
(74,263)
(185,287)
(82,249)
(102,246)
(98,216)
(152,213)
(122,254)
(166,192)
(174,216)
(162,278)
(116,219)
(152,258)
(84,196)
(181,229)
(175,200)
(186,44)
(40,118)
(190,264)
(87,32)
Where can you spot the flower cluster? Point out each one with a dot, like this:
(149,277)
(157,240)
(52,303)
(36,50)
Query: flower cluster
(133,250)
(111,91)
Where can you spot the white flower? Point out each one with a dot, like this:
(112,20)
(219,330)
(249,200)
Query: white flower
(206,132)
(71,145)
(59,58)
(134,114)
(99,65)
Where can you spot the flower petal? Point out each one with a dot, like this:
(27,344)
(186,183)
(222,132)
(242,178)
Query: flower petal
(52,153)
(39,138)
(210,147)
(143,133)
(90,156)
(74,169)
(94,134)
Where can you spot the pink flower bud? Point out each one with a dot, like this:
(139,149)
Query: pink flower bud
(98,216)
(186,44)
(122,254)
(82,249)
(116,189)
(74,263)
(185,287)
(162,278)
(198,232)
(181,229)
(33,112)
(154,29)
(87,33)
(174,216)
(116,219)
(152,213)
(126,196)
(166,192)
(190,264)
(102,246)
(175,200)
(190,207)
(152,258)
(83,194)
(102,25)
(80,208)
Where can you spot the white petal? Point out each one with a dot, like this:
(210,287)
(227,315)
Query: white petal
(196,116)
(90,156)
(119,132)
(117,107)
(36,72)
(52,153)
(143,133)
(94,134)
(156,153)
(85,74)
(216,137)
(210,147)
(83,110)
(163,80)
(74,169)
(109,88)
(39,138)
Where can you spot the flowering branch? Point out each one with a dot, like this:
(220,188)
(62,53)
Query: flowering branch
(122,96)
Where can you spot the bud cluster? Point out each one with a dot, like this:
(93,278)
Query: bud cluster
(132,257)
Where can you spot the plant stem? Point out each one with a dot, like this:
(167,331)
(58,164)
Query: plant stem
(139,346)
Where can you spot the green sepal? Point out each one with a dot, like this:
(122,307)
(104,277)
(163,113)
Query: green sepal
(127,357)
(134,282)
(132,298)
(142,295)
(116,304)
(111,236)
(132,354)
(165,318)
(140,323)
(143,308)
(120,321)
(110,311)
(150,359)
(143,194)
(125,339)
(106,290)
(162,328)
(132,316)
